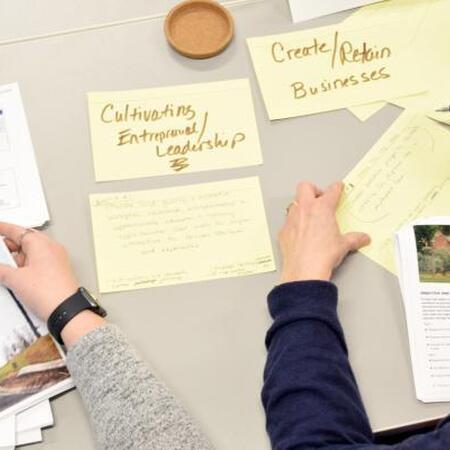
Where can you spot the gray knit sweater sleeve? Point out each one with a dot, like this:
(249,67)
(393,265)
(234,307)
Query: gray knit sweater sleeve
(128,406)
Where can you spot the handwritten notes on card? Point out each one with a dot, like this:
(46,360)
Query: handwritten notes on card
(425,29)
(406,175)
(174,129)
(328,68)
(180,234)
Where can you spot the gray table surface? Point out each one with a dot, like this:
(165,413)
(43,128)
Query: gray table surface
(206,340)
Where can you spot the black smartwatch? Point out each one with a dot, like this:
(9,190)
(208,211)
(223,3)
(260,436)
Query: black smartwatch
(69,308)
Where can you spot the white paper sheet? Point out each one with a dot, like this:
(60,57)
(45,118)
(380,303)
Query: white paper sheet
(426,299)
(13,323)
(22,198)
(302,10)
(38,416)
(29,436)
(8,432)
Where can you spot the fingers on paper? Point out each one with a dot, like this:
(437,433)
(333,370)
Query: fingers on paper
(5,274)
(333,193)
(12,246)
(12,232)
(307,192)
(356,240)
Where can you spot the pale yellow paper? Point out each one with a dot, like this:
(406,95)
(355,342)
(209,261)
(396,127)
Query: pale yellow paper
(338,67)
(426,30)
(184,129)
(406,175)
(427,104)
(180,234)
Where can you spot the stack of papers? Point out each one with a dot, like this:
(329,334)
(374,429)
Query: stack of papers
(395,51)
(425,29)
(22,198)
(32,370)
(423,259)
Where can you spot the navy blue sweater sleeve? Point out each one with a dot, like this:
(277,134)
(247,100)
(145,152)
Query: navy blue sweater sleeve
(310,393)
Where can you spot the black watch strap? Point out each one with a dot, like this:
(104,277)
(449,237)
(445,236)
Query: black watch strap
(80,301)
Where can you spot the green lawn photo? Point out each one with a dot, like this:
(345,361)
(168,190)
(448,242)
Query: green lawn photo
(434,278)
(433,253)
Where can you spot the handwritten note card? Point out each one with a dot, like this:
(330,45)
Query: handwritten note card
(425,29)
(171,130)
(328,68)
(180,234)
(406,175)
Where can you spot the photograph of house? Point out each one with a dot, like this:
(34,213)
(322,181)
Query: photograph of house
(433,253)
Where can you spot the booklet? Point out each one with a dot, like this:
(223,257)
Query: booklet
(22,199)
(32,367)
(423,259)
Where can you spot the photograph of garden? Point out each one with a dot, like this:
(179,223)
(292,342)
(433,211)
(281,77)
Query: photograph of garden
(433,253)
(29,360)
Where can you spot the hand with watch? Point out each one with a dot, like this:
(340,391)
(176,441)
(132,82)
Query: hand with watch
(44,281)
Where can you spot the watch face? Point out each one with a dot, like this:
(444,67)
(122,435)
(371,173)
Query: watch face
(96,307)
(89,297)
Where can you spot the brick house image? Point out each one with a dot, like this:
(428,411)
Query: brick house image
(440,241)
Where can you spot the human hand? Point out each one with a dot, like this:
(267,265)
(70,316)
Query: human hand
(44,277)
(310,240)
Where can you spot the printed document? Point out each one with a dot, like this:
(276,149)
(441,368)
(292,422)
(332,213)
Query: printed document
(22,198)
(423,260)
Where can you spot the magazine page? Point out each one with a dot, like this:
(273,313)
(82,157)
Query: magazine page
(32,367)
(424,262)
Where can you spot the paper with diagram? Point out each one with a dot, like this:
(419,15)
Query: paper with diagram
(404,176)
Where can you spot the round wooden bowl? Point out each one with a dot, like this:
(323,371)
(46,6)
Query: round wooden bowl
(199,28)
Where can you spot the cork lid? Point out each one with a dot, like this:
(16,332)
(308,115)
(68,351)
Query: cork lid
(199,28)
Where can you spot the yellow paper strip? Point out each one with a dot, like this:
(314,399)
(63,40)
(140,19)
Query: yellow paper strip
(426,30)
(333,67)
(180,234)
(405,176)
(170,130)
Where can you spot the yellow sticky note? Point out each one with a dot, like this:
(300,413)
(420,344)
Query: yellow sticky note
(170,130)
(427,104)
(425,29)
(180,234)
(405,176)
(333,67)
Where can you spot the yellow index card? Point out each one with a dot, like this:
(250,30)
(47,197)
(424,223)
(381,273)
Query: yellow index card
(405,176)
(333,67)
(426,30)
(180,234)
(176,129)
